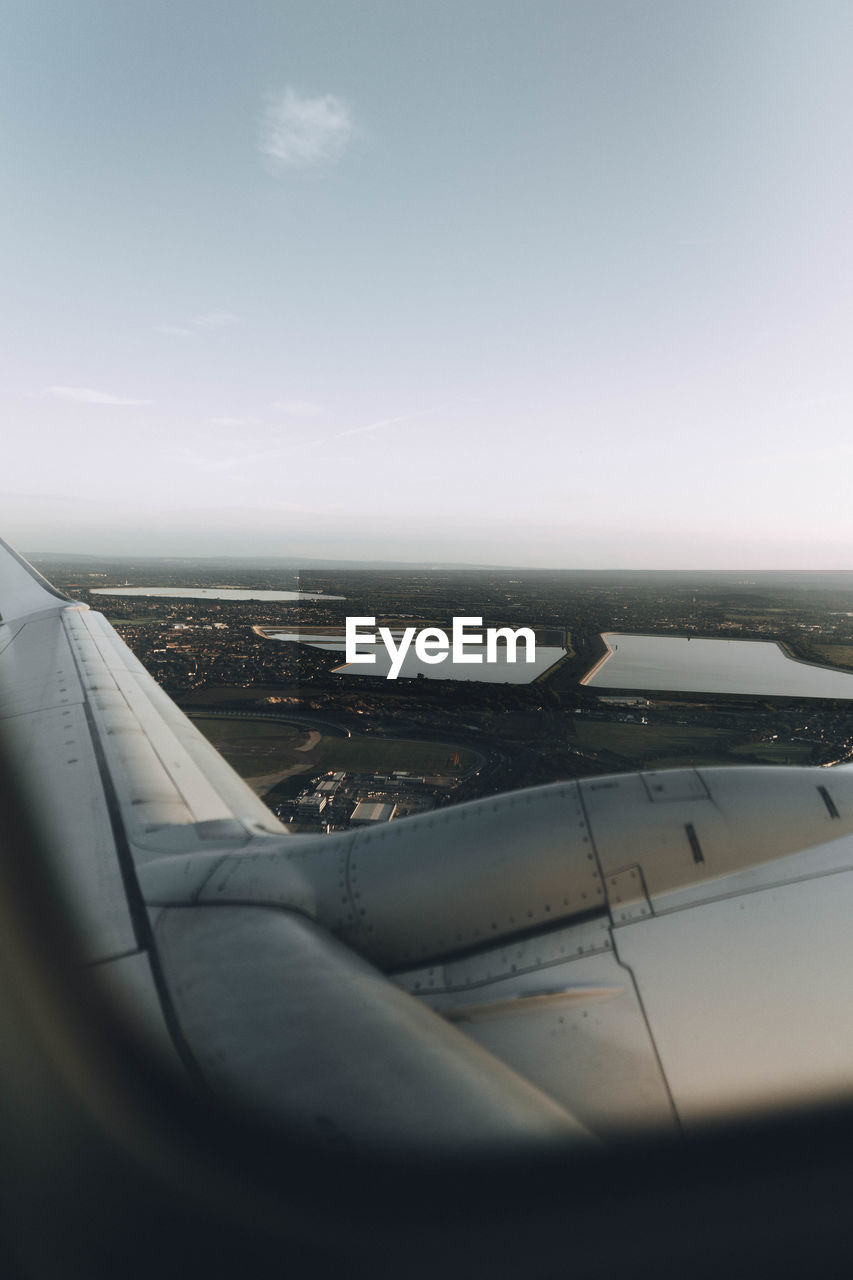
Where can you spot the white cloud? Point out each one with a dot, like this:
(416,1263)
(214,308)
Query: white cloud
(175,330)
(298,132)
(222,462)
(375,426)
(87,395)
(390,422)
(298,408)
(215,319)
(400,418)
(190,328)
(230,422)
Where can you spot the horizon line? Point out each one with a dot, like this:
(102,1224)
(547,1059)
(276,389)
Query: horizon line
(345,562)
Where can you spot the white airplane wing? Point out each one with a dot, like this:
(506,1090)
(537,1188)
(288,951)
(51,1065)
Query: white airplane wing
(260,1000)
(539,967)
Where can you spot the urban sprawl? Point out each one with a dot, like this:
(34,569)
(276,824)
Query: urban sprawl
(327,750)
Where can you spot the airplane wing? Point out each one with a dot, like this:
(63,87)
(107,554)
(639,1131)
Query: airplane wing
(257,999)
(532,969)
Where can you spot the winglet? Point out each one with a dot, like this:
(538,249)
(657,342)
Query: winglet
(23,590)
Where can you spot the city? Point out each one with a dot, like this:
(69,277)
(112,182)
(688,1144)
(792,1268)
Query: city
(325,750)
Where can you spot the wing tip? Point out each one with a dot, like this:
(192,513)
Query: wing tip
(23,590)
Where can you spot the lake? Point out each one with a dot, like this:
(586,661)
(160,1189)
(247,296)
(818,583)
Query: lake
(209,593)
(501,672)
(702,665)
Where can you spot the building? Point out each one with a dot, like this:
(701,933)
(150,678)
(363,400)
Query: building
(328,786)
(371,811)
(310,806)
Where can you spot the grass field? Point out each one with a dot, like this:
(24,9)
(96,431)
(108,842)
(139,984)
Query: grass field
(776,752)
(384,754)
(259,748)
(215,697)
(838,655)
(233,729)
(254,747)
(550,672)
(670,744)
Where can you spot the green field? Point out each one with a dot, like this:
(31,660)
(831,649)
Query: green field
(661,744)
(214,697)
(838,655)
(384,754)
(256,748)
(233,728)
(550,672)
(776,752)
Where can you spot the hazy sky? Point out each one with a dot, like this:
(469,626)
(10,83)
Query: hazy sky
(539,283)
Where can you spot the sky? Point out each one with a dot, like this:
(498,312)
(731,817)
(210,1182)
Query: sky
(544,284)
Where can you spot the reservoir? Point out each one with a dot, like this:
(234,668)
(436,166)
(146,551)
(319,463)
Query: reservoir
(500,672)
(712,666)
(209,593)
